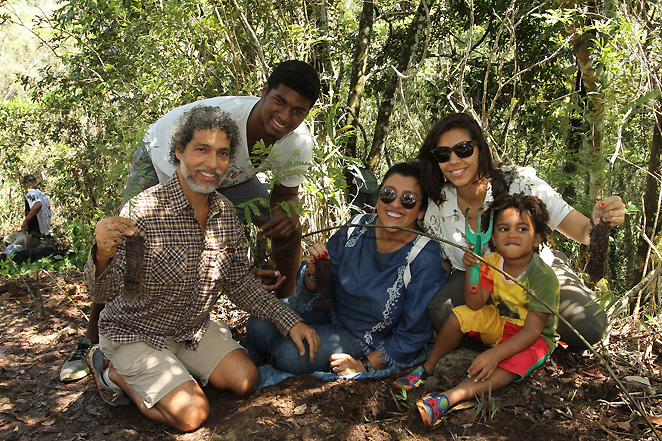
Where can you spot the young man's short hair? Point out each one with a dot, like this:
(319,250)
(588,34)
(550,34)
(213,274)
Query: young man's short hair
(298,76)
(29,181)
(521,202)
(203,118)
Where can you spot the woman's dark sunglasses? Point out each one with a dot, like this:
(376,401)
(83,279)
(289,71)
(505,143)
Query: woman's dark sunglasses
(408,200)
(462,149)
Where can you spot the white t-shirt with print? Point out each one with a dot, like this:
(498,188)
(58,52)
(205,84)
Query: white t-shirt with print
(448,222)
(44,214)
(288,159)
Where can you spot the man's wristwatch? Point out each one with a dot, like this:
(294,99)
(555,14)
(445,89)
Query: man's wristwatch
(367,365)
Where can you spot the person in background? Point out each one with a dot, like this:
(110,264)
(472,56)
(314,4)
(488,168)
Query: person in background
(37,222)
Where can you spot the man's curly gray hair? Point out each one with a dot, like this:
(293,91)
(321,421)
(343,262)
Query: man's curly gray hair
(203,118)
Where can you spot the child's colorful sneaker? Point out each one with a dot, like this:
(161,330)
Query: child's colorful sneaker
(432,407)
(413,380)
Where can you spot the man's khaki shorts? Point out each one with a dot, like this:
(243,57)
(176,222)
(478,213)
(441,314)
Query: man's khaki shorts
(154,373)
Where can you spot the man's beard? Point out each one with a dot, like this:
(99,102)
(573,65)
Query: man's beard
(189,178)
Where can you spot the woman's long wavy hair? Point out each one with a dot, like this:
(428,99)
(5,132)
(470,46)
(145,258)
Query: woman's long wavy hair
(433,180)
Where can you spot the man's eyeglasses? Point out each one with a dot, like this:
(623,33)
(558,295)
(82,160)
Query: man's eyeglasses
(408,200)
(462,149)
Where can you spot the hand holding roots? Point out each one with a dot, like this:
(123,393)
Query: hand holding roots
(133,271)
(323,282)
(598,250)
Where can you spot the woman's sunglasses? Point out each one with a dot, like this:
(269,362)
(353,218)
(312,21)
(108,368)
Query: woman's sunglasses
(408,200)
(462,149)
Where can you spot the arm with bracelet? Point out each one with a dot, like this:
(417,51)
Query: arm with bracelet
(317,252)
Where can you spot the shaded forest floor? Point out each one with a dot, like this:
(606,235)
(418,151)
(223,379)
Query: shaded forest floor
(570,398)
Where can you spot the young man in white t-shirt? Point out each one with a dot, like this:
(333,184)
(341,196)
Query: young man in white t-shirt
(37,222)
(275,118)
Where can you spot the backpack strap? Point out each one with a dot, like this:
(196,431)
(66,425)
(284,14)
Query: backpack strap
(355,220)
(418,246)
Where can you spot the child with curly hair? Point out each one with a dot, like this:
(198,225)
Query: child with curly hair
(519,328)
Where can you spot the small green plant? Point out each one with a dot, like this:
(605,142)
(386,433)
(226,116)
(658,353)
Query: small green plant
(7,267)
(11,269)
(81,236)
(252,208)
(487,407)
(402,397)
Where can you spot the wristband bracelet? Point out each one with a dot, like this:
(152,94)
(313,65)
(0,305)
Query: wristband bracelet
(367,365)
(309,277)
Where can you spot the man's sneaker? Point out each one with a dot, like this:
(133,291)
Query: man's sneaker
(413,380)
(432,407)
(110,392)
(75,367)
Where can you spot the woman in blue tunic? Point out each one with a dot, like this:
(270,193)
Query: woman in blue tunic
(381,282)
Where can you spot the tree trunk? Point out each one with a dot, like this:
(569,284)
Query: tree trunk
(651,195)
(593,83)
(253,39)
(414,35)
(358,79)
(321,54)
(575,136)
(595,115)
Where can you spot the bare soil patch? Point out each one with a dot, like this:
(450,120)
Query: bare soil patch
(571,398)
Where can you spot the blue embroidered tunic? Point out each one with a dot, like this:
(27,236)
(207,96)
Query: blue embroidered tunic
(370,295)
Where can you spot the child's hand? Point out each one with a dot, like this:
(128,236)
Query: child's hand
(483,366)
(469,258)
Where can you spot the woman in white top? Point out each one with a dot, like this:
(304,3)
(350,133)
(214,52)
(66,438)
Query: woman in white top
(458,173)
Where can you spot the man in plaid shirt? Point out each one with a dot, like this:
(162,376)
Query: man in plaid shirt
(184,246)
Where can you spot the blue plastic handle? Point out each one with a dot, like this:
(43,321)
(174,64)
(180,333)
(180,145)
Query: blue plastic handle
(477,240)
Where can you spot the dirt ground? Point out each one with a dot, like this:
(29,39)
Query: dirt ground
(571,397)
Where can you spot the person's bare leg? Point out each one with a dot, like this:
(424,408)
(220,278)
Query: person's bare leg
(237,373)
(184,408)
(469,388)
(92,331)
(287,261)
(449,338)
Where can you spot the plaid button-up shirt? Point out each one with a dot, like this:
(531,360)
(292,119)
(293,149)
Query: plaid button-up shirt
(183,273)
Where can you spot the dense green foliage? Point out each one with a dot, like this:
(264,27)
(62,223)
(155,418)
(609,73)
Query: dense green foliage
(118,65)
